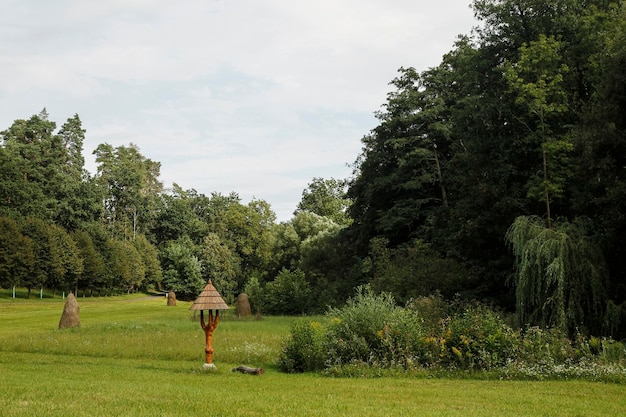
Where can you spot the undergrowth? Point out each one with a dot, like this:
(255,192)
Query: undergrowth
(372,336)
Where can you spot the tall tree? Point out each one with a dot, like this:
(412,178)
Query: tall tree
(130,186)
(326,197)
(536,79)
(16,254)
(398,183)
(78,202)
(33,172)
(93,264)
(66,264)
(182,270)
(220,264)
(150,262)
(38,231)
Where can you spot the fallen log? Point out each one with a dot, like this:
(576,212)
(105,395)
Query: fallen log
(248,370)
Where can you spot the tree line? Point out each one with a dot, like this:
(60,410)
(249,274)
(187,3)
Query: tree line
(497,175)
(507,161)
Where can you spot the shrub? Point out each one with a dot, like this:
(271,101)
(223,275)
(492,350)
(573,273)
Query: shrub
(353,330)
(303,350)
(371,336)
(372,329)
(477,338)
(545,347)
(289,293)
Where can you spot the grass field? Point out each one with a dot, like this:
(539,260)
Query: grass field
(134,356)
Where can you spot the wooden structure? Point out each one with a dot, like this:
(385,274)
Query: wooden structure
(211,302)
(248,370)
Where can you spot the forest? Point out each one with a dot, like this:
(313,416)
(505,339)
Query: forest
(498,175)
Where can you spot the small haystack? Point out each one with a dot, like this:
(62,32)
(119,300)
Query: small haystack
(71,313)
(171,299)
(243,306)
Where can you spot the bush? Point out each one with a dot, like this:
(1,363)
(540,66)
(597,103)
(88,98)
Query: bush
(372,329)
(289,293)
(353,330)
(545,347)
(477,338)
(303,350)
(371,336)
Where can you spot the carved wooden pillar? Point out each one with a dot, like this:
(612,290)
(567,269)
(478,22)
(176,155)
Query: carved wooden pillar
(208,328)
(209,300)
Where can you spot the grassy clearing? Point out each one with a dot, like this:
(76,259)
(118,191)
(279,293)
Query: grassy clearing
(134,356)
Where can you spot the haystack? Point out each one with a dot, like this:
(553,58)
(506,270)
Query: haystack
(71,313)
(171,298)
(243,305)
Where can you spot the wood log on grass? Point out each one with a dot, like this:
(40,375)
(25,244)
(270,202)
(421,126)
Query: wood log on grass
(248,370)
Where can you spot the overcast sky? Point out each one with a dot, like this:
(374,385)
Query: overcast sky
(252,96)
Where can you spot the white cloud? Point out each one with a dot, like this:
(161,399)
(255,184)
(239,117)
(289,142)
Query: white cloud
(252,96)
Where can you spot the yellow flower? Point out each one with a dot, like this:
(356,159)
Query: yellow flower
(457,352)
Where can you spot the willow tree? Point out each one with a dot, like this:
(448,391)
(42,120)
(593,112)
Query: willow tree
(560,275)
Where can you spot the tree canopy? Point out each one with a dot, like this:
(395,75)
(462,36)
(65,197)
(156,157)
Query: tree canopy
(498,174)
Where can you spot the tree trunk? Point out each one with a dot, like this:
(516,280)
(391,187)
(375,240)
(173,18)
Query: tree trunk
(248,370)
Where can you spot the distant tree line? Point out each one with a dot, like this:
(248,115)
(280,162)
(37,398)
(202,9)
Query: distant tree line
(498,175)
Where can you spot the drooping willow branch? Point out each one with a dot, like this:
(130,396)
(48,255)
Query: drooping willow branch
(560,274)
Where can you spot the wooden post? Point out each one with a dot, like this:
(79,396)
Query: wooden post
(209,300)
(208,328)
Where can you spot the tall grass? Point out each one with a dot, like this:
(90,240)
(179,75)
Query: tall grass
(137,328)
(138,357)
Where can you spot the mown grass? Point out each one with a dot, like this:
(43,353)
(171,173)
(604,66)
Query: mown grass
(134,356)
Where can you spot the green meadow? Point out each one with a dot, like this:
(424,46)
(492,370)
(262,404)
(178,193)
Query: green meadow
(134,356)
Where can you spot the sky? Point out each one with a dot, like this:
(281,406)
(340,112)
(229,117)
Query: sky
(257,97)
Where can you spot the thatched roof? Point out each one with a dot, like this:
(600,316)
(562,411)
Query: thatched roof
(209,299)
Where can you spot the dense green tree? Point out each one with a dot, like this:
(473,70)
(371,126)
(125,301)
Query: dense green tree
(33,172)
(43,173)
(66,264)
(149,254)
(78,202)
(289,293)
(220,265)
(16,254)
(177,217)
(323,259)
(182,270)
(18,195)
(93,264)
(124,268)
(308,224)
(398,183)
(39,233)
(456,155)
(246,230)
(130,186)
(56,258)
(286,251)
(536,79)
(413,270)
(327,198)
